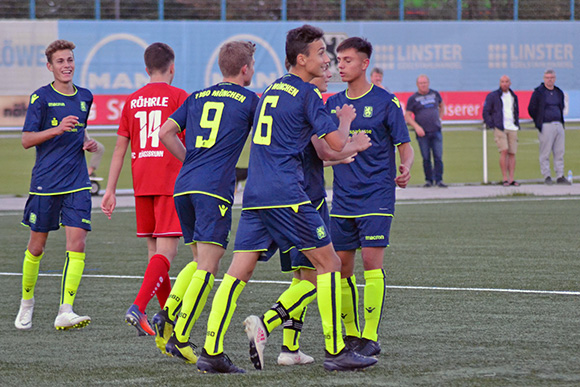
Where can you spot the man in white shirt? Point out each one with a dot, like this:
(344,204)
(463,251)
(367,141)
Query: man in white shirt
(501,113)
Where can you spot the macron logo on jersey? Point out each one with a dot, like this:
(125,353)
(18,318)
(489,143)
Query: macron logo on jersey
(396,101)
(33,98)
(223,209)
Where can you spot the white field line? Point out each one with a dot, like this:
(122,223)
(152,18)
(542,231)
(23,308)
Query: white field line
(286,283)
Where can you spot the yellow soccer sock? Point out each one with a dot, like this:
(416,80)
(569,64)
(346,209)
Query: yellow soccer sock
(30,268)
(329,305)
(71,276)
(193,302)
(173,303)
(222,309)
(289,305)
(374,302)
(349,311)
(292,332)
(293,328)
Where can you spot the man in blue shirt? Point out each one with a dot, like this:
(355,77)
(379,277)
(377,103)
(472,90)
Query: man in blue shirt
(424,111)
(55,124)
(547,110)
(363,201)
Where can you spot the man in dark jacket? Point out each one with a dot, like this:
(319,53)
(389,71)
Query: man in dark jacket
(501,113)
(547,109)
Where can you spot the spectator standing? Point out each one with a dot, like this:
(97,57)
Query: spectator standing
(547,110)
(424,111)
(501,113)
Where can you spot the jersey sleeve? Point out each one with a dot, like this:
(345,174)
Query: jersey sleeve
(396,121)
(180,115)
(35,113)
(317,114)
(125,123)
(411,102)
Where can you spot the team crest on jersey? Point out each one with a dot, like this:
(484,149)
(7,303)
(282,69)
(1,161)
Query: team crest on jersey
(54,121)
(368,112)
(33,98)
(83,106)
(321,232)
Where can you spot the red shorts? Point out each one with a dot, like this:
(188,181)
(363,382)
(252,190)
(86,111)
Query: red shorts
(156,217)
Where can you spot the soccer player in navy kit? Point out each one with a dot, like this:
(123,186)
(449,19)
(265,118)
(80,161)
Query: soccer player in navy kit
(55,124)
(314,186)
(364,191)
(277,210)
(218,120)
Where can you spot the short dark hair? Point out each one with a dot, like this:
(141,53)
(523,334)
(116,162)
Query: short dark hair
(234,55)
(158,57)
(58,45)
(359,44)
(377,70)
(298,40)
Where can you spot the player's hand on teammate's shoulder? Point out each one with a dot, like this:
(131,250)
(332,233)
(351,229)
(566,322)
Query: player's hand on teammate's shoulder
(405,175)
(361,140)
(346,112)
(67,124)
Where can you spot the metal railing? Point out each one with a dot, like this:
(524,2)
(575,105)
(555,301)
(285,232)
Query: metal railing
(283,10)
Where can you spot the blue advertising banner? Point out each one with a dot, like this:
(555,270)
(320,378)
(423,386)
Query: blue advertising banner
(457,56)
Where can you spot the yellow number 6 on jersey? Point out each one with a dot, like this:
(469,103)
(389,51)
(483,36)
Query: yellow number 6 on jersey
(259,136)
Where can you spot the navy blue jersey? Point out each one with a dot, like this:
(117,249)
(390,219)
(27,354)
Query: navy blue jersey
(289,113)
(218,120)
(313,174)
(367,185)
(60,165)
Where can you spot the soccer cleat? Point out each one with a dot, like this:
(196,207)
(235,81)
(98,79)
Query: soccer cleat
(70,320)
(139,320)
(369,347)
(548,181)
(24,317)
(217,364)
(297,357)
(352,342)
(183,351)
(258,337)
(347,360)
(163,328)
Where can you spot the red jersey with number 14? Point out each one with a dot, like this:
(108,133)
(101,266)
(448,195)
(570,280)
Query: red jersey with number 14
(146,110)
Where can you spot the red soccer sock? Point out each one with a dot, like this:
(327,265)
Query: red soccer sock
(155,278)
(164,290)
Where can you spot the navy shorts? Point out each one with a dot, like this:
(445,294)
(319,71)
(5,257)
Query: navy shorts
(204,218)
(44,213)
(294,259)
(364,231)
(267,229)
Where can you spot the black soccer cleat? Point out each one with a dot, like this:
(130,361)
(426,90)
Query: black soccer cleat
(347,360)
(369,347)
(217,364)
(353,342)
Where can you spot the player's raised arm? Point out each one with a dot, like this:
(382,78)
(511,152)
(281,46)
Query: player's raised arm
(169,138)
(337,139)
(30,139)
